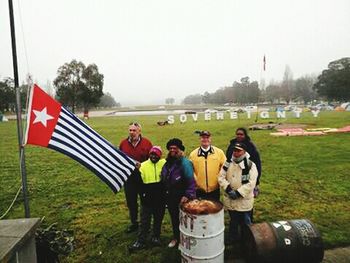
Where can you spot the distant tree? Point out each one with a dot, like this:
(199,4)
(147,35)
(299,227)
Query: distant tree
(8,95)
(218,96)
(273,92)
(334,82)
(193,99)
(78,86)
(240,92)
(303,88)
(287,85)
(169,101)
(246,91)
(206,97)
(108,101)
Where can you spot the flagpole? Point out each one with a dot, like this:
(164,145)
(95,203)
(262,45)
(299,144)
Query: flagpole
(19,114)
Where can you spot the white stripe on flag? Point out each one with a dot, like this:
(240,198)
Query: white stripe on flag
(106,153)
(83,158)
(101,155)
(105,144)
(109,169)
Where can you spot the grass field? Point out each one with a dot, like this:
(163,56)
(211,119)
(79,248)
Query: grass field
(303,177)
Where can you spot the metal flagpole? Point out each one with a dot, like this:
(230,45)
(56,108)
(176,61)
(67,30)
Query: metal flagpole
(19,114)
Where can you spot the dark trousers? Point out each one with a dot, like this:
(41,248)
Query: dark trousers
(173,208)
(157,211)
(214,195)
(237,221)
(131,195)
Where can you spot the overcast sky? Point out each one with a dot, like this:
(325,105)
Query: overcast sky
(149,50)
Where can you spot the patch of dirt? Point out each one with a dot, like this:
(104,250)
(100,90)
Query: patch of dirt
(339,255)
(290,125)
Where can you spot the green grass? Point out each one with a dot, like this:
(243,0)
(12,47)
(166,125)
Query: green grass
(303,177)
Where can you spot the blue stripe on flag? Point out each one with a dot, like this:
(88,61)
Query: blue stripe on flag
(110,173)
(76,119)
(114,154)
(77,140)
(96,153)
(103,178)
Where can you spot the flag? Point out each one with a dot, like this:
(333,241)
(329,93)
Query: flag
(264,63)
(51,125)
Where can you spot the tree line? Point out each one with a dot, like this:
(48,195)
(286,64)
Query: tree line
(76,86)
(81,87)
(333,84)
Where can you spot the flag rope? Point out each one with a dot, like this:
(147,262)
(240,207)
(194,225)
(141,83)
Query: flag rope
(13,201)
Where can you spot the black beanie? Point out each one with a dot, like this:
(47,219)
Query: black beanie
(177,142)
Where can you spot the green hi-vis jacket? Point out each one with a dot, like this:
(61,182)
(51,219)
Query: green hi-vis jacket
(150,172)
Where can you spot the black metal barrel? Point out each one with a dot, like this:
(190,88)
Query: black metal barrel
(292,241)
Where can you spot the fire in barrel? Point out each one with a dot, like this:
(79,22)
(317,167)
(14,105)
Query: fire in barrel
(283,241)
(202,231)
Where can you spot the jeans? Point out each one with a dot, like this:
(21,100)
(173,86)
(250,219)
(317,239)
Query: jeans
(237,221)
(157,211)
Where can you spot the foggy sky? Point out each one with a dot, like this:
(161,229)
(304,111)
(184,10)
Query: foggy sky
(149,50)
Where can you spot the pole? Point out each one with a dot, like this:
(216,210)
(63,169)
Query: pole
(19,114)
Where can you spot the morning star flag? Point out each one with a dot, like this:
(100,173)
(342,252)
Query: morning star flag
(51,125)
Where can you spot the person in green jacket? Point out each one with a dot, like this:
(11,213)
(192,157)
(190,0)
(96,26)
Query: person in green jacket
(152,199)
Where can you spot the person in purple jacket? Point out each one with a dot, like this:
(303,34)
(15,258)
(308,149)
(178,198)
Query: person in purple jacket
(177,177)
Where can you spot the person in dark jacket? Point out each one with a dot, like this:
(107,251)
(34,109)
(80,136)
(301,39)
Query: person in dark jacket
(177,177)
(152,199)
(242,137)
(136,147)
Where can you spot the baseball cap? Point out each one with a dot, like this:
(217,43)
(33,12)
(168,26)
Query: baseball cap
(240,146)
(205,133)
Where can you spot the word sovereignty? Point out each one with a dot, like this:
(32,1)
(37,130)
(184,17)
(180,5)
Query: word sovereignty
(234,115)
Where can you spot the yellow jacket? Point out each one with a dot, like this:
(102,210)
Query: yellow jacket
(206,170)
(150,172)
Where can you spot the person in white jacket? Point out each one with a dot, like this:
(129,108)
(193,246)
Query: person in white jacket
(238,178)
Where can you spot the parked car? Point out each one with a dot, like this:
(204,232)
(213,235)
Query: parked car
(236,109)
(251,108)
(322,106)
(346,106)
(210,111)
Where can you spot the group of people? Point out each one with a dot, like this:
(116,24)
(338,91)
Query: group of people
(165,183)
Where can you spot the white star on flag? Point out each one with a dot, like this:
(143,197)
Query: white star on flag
(42,116)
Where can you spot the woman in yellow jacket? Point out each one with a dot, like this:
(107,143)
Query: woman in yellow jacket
(207,161)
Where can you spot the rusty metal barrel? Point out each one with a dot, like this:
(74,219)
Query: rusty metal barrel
(202,231)
(292,241)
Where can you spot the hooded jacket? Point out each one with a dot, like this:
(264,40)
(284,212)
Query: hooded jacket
(233,178)
(253,152)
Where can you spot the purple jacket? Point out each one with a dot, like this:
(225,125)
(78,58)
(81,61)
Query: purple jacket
(177,177)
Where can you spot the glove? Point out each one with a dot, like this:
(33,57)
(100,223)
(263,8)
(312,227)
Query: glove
(184,199)
(256,191)
(233,194)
